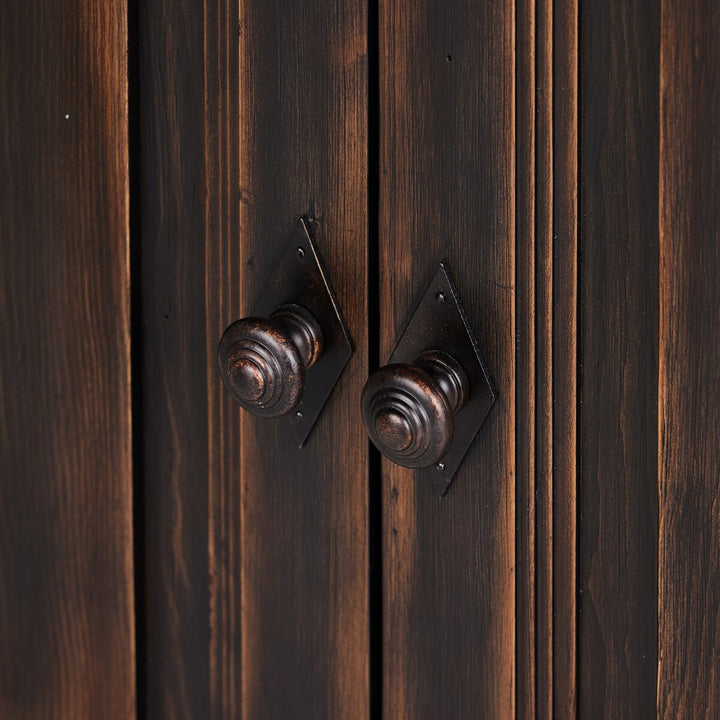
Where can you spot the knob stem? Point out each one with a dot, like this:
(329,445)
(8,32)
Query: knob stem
(302,329)
(447,372)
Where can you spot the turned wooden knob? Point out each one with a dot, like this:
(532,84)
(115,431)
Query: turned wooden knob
(262,361)
(408,409)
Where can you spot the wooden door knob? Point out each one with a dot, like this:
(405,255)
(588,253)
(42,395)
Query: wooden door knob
(408,409)
(262,361)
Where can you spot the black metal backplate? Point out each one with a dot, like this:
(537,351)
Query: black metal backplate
(440,323)
(299,278)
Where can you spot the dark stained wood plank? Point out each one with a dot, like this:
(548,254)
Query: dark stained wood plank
(175,375)
(447,168)
(689,386)
(565,357)
(224,272)
(257,562)
(618,334)
(302,514)
(66,594)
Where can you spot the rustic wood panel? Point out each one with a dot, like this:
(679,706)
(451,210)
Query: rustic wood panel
(257,561)
(303,514)
(66,594)
(174,409)
(689,389)
(619,94)
(447,170)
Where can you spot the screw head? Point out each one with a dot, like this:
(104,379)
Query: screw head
(301,252)
(440,297)
(440,466)
(299,415)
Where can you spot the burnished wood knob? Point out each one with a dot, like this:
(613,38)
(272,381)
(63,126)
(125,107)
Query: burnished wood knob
(408,409)
(262,361)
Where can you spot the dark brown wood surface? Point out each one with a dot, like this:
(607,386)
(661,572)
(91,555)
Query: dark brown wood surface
(172,335)
(619,91)
(689,371)
(303,514)
(447,169)
(565,358)
(256,578)
(563,160)
(67,636)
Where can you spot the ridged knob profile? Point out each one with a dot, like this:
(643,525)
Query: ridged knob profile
(408,410)
(262,361)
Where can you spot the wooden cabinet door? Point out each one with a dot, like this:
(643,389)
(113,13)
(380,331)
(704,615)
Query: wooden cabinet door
(256,553)
(67,611)
(164,554)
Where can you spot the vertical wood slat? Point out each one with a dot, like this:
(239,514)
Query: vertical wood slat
(303,514)
(176,445)
(565,356)
(689,389)
(618,335)
(447,84)
(224,200)
(525,383)
(67,634)
(257,567)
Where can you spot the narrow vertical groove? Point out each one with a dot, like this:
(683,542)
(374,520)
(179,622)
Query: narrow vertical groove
(579,381)
(544,361)
(525,649)
(136,351)
(373,330)
(660,355)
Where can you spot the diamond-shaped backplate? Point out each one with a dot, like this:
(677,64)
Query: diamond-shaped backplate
(440,323)
(299,278)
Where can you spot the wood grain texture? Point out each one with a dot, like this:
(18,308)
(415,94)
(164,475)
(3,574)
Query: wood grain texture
(257,562)
(176,444)
(689,389)
(303,514)
(66,594)
(224,269)
(544,326)
(565,356)
(618,334)
(447,169)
